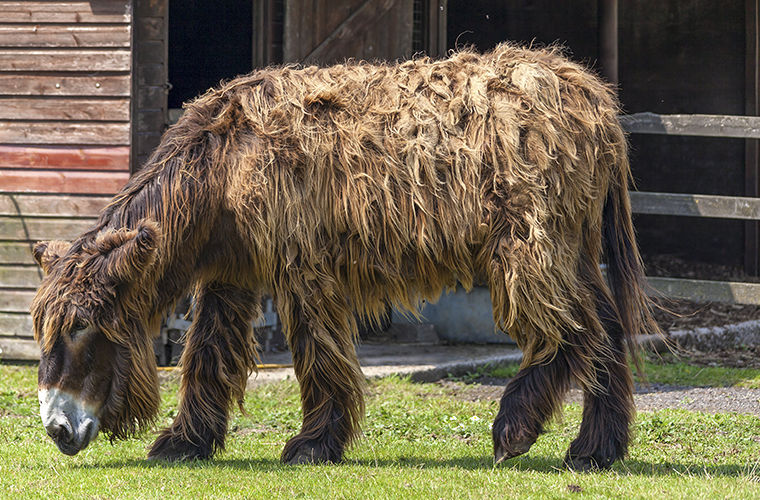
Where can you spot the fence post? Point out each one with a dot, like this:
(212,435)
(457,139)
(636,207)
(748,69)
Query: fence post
(752,146)
(608,39)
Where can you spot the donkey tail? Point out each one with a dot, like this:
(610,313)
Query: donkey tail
(625,268)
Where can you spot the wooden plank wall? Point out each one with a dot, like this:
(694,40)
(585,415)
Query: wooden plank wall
(65,87)
(44,217)
(319,32)
(65,79)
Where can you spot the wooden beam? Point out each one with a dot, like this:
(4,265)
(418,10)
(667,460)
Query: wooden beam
(434,26)
(20,276)
(33,229)
(707,291)
(56,35)
(89,60)
(19,349)
(17,253)
(608,39)
(64,132)
(17,301)
(150,77)
(14,324)
(367,13)
(60,108)
(64,84)
(752,146)
(105,11)
(263,34)
(696,205)
(42,205)
(65,157)
(61,181)
(743,127)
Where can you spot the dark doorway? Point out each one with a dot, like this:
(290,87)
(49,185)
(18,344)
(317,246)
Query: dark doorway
(485,23)
(209,41)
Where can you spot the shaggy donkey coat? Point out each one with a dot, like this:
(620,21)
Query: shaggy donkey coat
(339,190)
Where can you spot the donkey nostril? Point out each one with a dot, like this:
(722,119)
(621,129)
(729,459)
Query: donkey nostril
(60,432)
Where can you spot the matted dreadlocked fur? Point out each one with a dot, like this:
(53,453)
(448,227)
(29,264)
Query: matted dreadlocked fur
(345,188)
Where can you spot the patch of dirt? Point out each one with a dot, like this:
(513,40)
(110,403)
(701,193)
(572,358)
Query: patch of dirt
(670,266)
(647,397)
(650,396)
(481,389)
(686,315)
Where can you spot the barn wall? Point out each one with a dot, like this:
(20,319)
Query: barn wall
(65,88)
(686,57)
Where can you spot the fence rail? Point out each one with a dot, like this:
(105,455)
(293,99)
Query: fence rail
(741,127)
(698,205)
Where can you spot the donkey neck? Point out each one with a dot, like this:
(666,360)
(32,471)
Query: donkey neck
(177,198)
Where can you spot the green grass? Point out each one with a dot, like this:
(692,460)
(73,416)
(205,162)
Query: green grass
(420,441)
(669,370)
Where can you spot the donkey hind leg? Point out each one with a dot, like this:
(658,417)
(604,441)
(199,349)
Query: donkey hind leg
(219,354)
(331,383)
(608,409)
(529,401)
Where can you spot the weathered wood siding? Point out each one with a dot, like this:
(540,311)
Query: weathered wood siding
(320,32)
(25,219)
(65,71)
(65,107)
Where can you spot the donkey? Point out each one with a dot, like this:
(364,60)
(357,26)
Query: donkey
(339,190)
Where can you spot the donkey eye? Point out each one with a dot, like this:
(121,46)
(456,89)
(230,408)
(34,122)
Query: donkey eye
(80,327)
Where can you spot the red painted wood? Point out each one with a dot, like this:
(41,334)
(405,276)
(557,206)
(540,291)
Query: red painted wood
(50,181)
(65,157)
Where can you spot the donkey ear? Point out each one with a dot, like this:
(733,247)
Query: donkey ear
(128,252)
(47,253)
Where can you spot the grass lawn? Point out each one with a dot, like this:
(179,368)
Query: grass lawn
(421,441)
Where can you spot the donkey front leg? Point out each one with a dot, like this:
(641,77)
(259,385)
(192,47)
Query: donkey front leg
(529,401)
(219,355)
(331,382)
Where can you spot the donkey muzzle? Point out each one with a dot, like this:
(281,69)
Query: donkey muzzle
(68,421)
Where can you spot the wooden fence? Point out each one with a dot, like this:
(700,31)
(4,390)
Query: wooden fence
(696,205)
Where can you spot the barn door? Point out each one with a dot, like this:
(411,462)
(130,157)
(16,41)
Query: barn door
(323,32)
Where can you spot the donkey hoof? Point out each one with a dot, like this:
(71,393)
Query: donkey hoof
(308,452)
(304,456)
(170,449)
(506,446)
(503,451)
(586,463)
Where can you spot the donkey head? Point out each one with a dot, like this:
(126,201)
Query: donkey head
(97,367)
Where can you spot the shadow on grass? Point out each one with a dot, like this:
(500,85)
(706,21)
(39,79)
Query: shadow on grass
(530,463)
